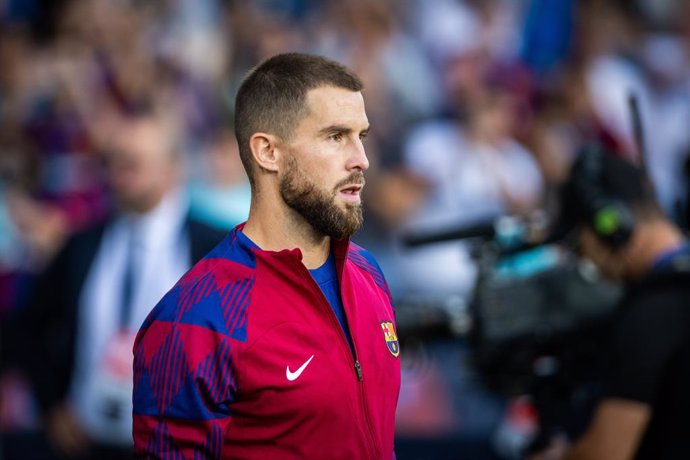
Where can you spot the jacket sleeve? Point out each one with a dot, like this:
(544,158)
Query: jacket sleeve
(183,386)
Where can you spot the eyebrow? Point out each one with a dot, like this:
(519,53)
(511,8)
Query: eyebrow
(341,129)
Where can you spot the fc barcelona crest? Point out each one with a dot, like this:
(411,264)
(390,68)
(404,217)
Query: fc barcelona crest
(391,338)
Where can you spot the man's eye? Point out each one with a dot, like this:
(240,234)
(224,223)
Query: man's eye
(363,136)
(337,137)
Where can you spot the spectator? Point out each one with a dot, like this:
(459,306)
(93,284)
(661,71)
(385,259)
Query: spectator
(473,173)
(74,337)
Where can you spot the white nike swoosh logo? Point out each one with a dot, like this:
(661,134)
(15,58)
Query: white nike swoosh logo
(293,375)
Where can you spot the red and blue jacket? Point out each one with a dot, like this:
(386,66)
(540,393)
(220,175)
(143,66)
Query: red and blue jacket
(244,358)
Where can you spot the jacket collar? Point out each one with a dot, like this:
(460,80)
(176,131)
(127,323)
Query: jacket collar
(249,250)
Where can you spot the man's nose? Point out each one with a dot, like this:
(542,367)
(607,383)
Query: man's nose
(358,158)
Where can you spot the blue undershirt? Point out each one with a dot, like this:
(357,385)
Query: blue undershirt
(326,276)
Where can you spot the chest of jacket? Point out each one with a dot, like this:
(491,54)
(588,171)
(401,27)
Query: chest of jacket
(299,381)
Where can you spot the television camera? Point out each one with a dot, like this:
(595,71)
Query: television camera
(535,320)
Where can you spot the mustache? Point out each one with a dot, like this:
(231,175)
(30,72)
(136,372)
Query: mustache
(355,178)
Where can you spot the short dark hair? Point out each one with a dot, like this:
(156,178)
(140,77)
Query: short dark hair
(618,179)
(608,194)
(272,97)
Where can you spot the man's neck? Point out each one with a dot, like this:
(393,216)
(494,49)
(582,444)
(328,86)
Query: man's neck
(282,229)
(649,242)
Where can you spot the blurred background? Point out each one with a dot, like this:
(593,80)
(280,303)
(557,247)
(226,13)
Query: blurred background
(477,108)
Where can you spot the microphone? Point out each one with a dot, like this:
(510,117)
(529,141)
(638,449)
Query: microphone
(483,229)
(509,231)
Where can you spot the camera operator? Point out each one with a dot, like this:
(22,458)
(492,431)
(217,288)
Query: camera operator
(645,410)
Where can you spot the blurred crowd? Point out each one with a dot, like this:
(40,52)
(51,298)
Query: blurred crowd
(476,109)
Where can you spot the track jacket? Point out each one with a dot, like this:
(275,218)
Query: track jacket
(245,359)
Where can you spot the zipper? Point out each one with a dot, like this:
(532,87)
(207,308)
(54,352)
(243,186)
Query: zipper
(365,409)
(358,369)
(353,353)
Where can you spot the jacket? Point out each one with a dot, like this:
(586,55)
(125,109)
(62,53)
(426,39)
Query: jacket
(245,359)
(48,354)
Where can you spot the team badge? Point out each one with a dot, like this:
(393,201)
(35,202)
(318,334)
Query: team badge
(391,338)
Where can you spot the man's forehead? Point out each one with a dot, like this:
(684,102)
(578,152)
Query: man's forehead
(337,105)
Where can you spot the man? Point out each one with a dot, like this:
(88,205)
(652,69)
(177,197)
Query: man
(281,343)
(78,330)
(643,414)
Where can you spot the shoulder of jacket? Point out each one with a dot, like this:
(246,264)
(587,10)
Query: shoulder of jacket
(213,294)
(363,259)
(366,262)
(213,277)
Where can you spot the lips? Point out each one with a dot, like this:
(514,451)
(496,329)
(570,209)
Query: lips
(353,189)
(350,192)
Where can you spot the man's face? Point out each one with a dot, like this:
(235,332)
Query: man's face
(324,162)
(141,170)
(610,264)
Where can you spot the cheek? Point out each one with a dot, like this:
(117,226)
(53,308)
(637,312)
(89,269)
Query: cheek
(584,242)
(149,180)
(317,165)
(598,252)
(587,244)
(318,175)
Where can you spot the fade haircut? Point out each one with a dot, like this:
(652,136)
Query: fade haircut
(271,99)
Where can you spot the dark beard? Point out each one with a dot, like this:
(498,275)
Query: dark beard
(318,207)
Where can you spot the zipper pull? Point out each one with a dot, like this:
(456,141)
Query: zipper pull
(358,368)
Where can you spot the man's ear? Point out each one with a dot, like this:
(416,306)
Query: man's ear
(265,150)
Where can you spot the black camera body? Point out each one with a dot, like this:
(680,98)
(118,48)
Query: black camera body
(541,324)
